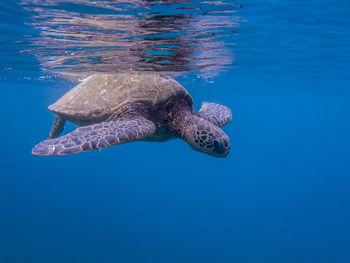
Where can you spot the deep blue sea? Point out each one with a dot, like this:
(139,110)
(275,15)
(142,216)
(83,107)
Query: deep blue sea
(281,196)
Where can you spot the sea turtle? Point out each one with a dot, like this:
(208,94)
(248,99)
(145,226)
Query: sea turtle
(125,107)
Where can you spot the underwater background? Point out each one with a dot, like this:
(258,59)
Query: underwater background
(281,195)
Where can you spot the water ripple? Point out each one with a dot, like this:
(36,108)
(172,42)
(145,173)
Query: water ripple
(82,37)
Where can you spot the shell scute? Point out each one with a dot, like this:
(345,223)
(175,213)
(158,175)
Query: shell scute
(101,94)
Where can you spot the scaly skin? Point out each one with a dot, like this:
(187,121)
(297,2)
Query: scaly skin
(96,136)
(200,134)
(215,113)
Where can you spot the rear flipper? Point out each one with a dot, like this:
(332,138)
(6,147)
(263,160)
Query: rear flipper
(215,113)
(57,127)
(96,136)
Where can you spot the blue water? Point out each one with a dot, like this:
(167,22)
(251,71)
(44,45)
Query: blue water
(282,194)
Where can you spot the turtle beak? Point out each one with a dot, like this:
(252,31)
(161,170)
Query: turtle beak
(221,146)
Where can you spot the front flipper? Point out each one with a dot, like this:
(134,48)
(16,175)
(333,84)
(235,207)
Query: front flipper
(96,136)
(215,113)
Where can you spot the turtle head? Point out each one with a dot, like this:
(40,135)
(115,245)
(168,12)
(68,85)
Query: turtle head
(203,136)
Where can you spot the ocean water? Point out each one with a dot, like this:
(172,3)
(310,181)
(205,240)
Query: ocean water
(281,195)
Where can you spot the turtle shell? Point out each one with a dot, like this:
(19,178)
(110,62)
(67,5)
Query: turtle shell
(99,95)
